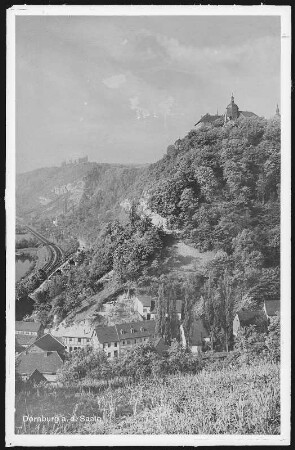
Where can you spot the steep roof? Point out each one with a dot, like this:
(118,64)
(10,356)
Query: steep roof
(37,377)
(47,362)
(106,334)
(49,343)
(272,307)
(145,300)
(249,317)
(198,332)
(122,331)
(24,339)
(247,114)
(142,328)
(208,118)
(20,325)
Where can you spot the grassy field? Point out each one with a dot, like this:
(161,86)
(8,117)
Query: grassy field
(244,400)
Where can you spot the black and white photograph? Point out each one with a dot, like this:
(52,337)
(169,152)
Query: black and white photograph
(148,225)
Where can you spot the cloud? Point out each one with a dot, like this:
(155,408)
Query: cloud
(141,113)
(147,106)
(205,60)
(115,81)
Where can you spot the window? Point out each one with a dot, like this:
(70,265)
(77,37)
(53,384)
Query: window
(109,355)
(123,343)
(79,339)
(128,342)
(70,339)
(134,341)
(75,348)
(116,353)
(116,344)
(71,348)
(109,344)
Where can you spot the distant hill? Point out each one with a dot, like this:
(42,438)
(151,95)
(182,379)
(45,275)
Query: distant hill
(84,195)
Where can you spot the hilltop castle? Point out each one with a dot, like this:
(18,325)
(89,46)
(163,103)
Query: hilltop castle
(232,112)
(75,160)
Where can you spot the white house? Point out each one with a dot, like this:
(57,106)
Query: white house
(26,333)
(116,339)
(145,306)
(78,335)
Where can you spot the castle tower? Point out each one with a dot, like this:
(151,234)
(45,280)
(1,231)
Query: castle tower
(232,110)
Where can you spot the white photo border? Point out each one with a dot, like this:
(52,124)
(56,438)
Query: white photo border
(284,12)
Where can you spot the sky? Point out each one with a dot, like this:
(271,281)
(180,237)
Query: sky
(121,89)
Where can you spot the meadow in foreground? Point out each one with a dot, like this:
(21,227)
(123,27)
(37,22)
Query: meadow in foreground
(229,400)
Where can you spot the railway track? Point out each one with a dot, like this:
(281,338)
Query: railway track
(56,253)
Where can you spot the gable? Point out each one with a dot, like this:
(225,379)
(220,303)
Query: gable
(48,343)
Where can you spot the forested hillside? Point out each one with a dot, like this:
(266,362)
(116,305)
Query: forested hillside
(218,188)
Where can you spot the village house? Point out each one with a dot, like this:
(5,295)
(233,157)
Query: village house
(145,305)
(197,338)
(28,328)
(245,318)
(26,333)
(46,355)
(116,339)
(75,336)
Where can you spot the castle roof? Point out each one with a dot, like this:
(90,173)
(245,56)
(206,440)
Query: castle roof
(208,118)
(247,114)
